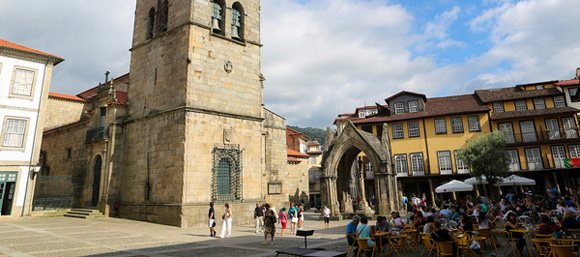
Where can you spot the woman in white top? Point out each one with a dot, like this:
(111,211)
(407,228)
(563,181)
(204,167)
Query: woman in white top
(227,224)
(326,217)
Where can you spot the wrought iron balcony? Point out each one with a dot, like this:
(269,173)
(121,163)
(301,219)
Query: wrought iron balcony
(543,136)
(97,134)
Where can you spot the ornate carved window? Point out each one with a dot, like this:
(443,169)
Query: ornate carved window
(227,173)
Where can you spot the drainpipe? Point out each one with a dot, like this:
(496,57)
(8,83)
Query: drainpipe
(34,138)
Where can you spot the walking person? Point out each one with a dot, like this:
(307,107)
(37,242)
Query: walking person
(293,218)
(326,217)
(283,220)
(259,217)
(269,225)
(300,215)
(227,224)
(211,220)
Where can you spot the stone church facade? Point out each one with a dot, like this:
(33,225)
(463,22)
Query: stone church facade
(185,127)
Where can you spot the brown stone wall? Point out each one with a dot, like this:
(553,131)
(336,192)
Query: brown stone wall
(61,112)
(297,182)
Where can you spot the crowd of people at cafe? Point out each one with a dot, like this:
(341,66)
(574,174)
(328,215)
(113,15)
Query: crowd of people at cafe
(549,212)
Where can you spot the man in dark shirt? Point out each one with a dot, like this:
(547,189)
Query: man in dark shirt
(211,220)
(259,217)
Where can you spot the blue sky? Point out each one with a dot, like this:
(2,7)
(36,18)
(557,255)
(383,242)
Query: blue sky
(325,57)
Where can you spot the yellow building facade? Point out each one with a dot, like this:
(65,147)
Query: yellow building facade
(426,134)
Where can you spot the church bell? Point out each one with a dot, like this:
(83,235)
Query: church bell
(215,25)
(235,33)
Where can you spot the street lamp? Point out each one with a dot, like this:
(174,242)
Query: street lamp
(34,170)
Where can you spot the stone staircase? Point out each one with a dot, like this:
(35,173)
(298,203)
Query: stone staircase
(84,213)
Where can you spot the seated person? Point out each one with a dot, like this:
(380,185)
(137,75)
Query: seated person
(482,220)
(513,223)
(363,231)
(570,221)
(351,230)
(443,235)
(397,221)
(547,227)
(382,227)
(465,223)
(429,226)
(446,213)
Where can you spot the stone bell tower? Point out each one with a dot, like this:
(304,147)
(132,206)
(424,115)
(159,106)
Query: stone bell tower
(193,133)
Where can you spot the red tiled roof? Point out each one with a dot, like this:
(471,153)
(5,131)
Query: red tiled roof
(66,97)
(293,131)
(291,152)
(310,143)
(93,91)
(17,47)
(532,113)
(292,159)
(122,97)
(513,93)
(434,107)
(314,152)
(568,82)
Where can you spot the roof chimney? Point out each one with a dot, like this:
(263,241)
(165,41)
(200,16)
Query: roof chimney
(577,73)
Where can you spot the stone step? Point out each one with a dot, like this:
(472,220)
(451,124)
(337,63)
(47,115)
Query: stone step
(80,216)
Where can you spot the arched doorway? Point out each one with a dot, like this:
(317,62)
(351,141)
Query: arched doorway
(343,170)
(96,180)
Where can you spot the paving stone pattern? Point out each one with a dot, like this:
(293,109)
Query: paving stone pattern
(37,236)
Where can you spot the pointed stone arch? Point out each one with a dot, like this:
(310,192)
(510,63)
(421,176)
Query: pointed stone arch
(340,155)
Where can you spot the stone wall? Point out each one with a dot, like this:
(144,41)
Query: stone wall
(276,159)
(297,182)
(60,112)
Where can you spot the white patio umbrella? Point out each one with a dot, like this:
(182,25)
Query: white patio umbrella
(476,181)
(514,180)
(454,186)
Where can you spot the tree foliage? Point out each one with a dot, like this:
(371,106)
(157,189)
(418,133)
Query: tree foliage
(315,134)
(487,157)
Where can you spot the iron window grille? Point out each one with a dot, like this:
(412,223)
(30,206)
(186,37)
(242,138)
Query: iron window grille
(227,173)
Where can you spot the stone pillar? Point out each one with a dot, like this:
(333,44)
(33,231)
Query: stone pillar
(392,187)
(361,189)
(328,196)
(432,191)
(382,189)
(556,182)
(400,195)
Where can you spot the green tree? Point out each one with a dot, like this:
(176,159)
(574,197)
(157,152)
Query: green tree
(487,157)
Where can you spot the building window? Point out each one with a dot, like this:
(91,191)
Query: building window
(462,167)
(570,128)
(559,101)
(521,105)
(368,167)
(498,107)
(68,153)
(413,106)
(312,160)
(539,103)
(227,170)
(473,123)
(528,131)
(413,128)
(440,127)
(217,17)
(574,151)
(13,134)
(417,164)
(401,166)
(367,128)
(558,156)
(237,21)
(23,82)
(534,159)
(445,166)
(514,159)
(151,23)
(399,108)
(539,87)
(572,92)
(457,125)
(361,114)
(163,17)
(398,131)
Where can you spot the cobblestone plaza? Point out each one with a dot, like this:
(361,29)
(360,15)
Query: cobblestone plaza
(34,236)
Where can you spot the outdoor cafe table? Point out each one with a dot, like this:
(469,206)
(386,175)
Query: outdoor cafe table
(526,233)
(379,236)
